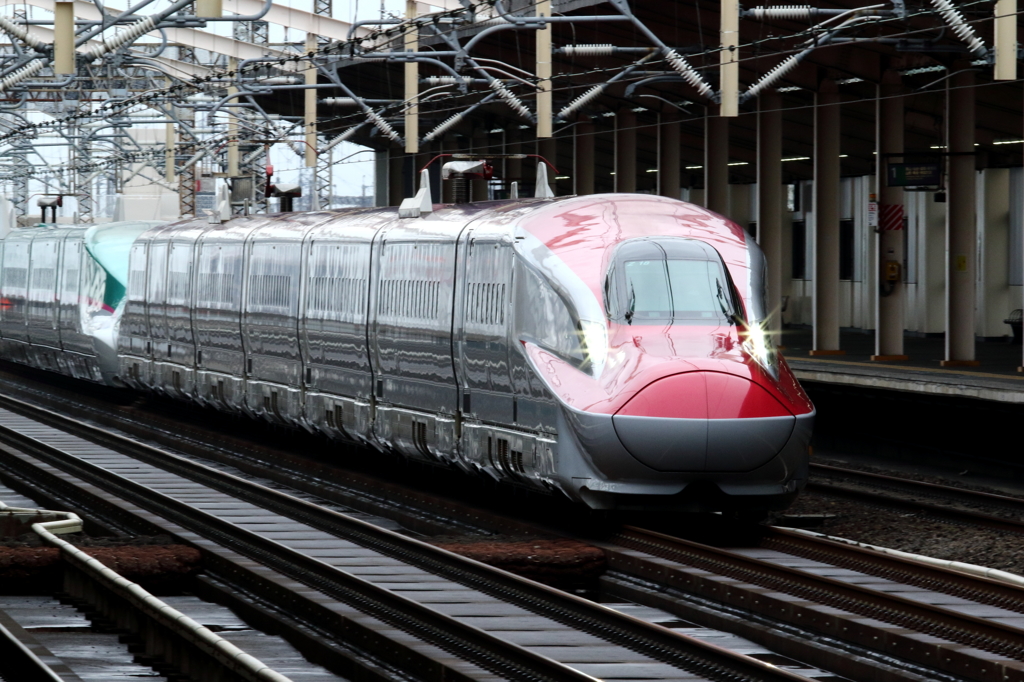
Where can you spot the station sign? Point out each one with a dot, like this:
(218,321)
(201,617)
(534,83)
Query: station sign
(928,174)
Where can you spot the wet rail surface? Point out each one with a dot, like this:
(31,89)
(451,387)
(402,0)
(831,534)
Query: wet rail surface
(992,510)
(853,612)
(25,659)
(473,620)
(913,620)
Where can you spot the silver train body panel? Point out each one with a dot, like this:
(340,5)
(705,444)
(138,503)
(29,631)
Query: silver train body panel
(389,333)
(405,335)
(53,298)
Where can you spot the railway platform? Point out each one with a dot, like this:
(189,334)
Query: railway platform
(995,378)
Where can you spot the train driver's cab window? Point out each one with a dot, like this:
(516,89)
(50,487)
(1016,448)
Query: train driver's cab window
(678,281)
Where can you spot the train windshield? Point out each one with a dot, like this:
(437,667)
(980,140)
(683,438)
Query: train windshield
(677,280)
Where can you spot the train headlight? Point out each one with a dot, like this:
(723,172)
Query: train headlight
(759,347)
(595,342)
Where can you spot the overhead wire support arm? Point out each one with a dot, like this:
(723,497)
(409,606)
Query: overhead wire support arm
(779,71)
(23,34)
(499,87)
(674,59)
(37,63)
(588,96)
(961,28)
(798,13)
(371,115)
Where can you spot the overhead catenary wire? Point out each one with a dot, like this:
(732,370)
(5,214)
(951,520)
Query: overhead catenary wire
(201,87)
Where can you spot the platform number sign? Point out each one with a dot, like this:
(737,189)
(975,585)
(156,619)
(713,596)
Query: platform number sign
(914,175)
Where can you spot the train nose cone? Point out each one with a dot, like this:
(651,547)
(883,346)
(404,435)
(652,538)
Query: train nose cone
(703,421)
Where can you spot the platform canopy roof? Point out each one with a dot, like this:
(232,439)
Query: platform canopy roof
(846,45)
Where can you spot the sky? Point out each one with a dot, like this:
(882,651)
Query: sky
(353,168)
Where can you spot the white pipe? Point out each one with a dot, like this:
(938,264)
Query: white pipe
(543,56)
(212,644)
(1005,40)
(64,39)
(411,91)
(729,68)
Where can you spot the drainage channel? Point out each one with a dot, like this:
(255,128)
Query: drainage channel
(464,618)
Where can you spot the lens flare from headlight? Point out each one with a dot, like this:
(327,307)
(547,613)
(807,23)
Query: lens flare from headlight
(595,341)
(759,347)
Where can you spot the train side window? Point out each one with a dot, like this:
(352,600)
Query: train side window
(137,273)
(336,284)
(544,318)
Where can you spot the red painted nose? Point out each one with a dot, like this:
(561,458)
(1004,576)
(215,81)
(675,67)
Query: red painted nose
(704,395)
(703,421)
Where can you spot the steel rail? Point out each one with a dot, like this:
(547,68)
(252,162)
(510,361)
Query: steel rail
(430,515)
(932,490)
(976,588)
(937,489)
(477,646)
(467,642)
(19,663)
(960,630)
(632,576)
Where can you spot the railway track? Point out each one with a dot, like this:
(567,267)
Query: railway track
(20,662)
(459,619)
(960,505)
(851,611)
(882,610)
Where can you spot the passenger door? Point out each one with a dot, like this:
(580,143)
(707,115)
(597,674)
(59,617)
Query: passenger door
(483,316)
(135,332)
(270,321)
(176,323)
(335,311)
(71,310)
(412,306)
(44,262)
(15,286)
(218,301)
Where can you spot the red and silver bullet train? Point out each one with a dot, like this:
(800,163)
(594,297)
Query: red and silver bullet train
(610,347)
